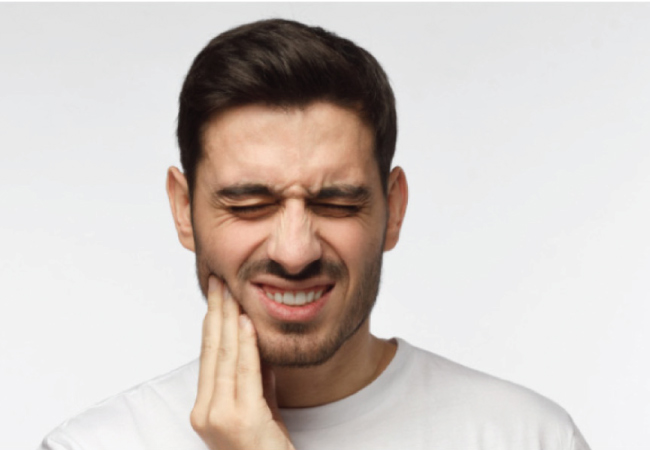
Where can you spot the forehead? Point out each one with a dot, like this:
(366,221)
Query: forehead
(293,148)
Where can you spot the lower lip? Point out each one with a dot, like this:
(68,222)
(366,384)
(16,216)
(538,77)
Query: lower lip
(286,313)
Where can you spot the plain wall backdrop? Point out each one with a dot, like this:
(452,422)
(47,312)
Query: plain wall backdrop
(525,137)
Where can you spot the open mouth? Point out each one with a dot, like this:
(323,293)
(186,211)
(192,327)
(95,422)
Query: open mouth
(295,297)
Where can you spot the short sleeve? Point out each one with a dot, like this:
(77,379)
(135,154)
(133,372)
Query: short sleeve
(57,443)
(578,442)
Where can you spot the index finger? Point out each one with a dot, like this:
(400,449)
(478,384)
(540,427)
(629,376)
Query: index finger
(249,376)
(210,343)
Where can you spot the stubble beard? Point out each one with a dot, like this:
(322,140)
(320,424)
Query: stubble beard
(296,346)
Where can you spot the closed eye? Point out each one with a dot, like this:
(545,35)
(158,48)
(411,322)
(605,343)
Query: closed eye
(261,210)
(335,209)
(252,211)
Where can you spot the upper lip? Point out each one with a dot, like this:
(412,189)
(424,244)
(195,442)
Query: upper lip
(287,285)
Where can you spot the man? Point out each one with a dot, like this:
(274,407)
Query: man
(288,200)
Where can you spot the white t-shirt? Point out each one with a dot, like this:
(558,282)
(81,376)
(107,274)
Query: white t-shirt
(421,401)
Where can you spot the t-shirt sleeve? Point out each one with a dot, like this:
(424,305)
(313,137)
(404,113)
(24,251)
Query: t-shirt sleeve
(56,441)
(578,442)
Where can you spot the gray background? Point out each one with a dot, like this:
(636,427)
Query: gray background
(524,133)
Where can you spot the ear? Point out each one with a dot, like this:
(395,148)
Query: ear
(398,194)
(179,201)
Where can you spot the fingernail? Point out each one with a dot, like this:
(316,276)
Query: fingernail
(245,323)
(212,284)
(226,293)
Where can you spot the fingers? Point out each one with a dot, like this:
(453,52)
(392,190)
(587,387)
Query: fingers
(210,344)
(231,410)
(229,363)
(227,354)
(268,385)
(249,377)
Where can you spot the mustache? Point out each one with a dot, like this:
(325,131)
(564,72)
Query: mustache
(316,268)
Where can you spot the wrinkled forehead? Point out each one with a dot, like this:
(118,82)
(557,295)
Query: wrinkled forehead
(310,147)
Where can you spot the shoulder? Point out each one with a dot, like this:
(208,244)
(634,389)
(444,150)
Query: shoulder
(484,404)
(120,421)
(450,379)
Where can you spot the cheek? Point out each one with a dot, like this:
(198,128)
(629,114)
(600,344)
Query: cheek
(228,246)
(352,241)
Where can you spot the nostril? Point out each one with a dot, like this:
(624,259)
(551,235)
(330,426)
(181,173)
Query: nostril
(311,270)
(294,252)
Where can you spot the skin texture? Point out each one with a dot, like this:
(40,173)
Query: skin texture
(287,199)
(235,406)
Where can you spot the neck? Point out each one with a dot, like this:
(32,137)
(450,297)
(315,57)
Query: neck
(356,364)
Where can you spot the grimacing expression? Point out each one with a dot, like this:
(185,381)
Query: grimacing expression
(289,211)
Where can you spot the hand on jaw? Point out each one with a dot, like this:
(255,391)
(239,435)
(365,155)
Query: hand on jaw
(235,407)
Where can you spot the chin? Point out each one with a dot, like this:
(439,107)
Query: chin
(299,345)
(296,351)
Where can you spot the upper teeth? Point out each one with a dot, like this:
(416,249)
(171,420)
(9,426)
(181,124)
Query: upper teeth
(295,298)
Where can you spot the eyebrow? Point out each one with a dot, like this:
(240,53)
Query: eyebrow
(342,191)
(239,191)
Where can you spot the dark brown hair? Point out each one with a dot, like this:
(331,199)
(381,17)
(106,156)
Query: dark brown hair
(287,64)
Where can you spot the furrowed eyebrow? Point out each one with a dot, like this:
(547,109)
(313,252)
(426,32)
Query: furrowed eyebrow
(241,191)
(343,192)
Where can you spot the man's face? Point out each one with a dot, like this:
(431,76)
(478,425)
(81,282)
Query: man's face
(288,208)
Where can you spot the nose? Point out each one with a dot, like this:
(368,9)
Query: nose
(294,243)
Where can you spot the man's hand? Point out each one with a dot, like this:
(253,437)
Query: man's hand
(235,406)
